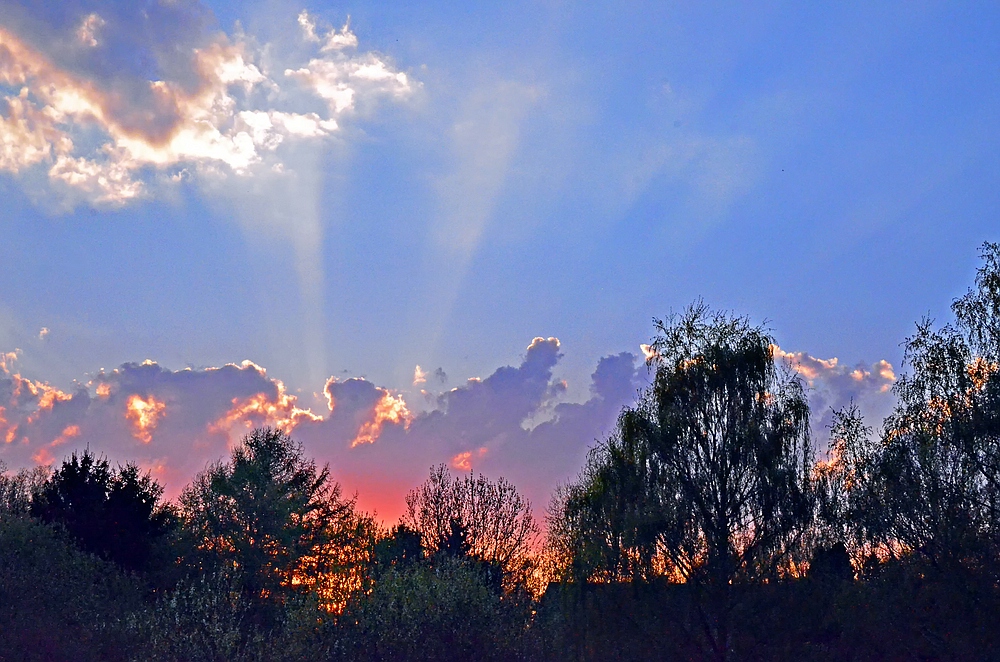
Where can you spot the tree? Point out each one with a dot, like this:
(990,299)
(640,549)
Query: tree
(839,484)
(272,518)
(58,602)
(707,479)
(474,517)
(445,612)
(931,487)
(398,548)
(17,490)
(115,513)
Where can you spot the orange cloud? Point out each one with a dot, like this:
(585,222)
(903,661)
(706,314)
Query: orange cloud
(388,409)
(68,433)
(463,461)
(280,412)
(43,456)
(885,371)
(144,415)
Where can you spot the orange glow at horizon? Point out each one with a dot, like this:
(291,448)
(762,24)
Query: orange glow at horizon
(144,415)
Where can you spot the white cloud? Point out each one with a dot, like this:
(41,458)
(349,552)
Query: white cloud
(88,29)
(222,114)
(832,386)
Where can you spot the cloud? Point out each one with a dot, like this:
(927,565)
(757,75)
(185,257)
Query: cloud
(88,31)
(80,122)
(491,425)
(512,423)
(832,386)
(175,422)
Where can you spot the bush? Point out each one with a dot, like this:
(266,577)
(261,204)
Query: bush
(442,613)
(56,602)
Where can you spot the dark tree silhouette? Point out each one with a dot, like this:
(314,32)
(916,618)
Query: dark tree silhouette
(115,513)
(400,548)
(17,490)
(932,486)
(272,518)
(707,479)
(474,517)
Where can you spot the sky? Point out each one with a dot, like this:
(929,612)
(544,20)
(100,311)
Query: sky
(422,233)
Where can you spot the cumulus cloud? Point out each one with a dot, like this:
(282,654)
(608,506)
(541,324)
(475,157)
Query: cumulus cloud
(175,422)
(512,423)
(832,386)
(78,120)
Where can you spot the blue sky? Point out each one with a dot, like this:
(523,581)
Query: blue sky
(556,169)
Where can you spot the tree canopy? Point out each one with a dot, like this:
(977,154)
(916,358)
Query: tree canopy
(707,479)
(470,515)
(115,513)
(276,520)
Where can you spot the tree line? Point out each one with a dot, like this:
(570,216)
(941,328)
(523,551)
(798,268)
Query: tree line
(709,525)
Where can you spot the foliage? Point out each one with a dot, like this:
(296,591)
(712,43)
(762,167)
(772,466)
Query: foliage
(16,490)
(707,479)
(398,548)
(115,513)
(931,485)
(442,613)
(201,620)
(474,517)
(272,518)
(57,602)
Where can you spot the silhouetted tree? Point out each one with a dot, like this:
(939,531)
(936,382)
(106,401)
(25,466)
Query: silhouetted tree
(17,490)
(707,478)
(932,486)
(843,500)
(475,517)
(399,548)
(58,602)
(278,522)
(443,612)
(116,513)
